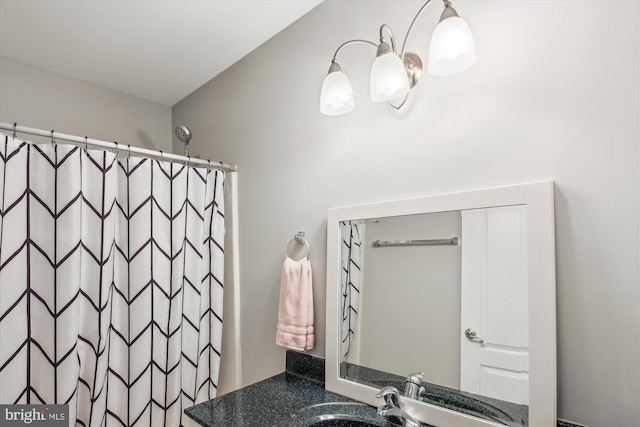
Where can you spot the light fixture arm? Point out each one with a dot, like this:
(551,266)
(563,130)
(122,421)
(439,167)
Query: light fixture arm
(384,27)
(447,3)
(413,63)
(393,41)
(350,42)
(413,24)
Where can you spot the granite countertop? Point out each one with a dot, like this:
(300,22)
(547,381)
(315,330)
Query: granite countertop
(275,401)
(269,403)
(499,411)
(294,398)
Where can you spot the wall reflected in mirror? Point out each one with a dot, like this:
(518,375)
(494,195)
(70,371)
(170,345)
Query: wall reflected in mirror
(413,285)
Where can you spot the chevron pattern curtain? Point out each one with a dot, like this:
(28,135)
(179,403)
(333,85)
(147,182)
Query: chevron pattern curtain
(111,283)
(350,284)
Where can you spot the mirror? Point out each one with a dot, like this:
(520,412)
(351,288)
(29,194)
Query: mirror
(459,286)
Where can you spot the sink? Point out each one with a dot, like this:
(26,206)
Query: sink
(339,414)
(338,421)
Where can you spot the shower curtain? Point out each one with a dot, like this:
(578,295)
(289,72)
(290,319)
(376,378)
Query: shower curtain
(352,233)
(111,283)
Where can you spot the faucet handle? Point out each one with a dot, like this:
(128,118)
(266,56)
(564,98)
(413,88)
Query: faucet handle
(390,394)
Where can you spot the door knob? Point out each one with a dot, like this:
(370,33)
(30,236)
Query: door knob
(471,334)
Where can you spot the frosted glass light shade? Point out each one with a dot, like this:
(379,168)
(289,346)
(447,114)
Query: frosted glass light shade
(389,78)
(452,49)
(336,96)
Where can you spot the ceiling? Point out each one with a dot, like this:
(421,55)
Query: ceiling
(160,50)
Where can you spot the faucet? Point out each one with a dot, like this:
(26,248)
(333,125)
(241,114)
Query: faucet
(413,385)
(391,409)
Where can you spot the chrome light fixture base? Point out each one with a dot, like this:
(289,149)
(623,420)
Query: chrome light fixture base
(413,64)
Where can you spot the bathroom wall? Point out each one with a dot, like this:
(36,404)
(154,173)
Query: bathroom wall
(39,98)
(554,95)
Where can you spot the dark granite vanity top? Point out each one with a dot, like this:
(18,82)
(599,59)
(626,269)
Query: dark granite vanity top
(498,411)
(294,397)
(272,402)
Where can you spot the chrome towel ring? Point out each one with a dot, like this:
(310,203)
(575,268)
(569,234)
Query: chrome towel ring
(298,238)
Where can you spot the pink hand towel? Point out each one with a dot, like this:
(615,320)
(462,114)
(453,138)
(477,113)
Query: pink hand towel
(295,315)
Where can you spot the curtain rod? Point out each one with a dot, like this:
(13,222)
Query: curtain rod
(116,146)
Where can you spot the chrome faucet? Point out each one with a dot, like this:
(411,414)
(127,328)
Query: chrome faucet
(391,409)
(413,385)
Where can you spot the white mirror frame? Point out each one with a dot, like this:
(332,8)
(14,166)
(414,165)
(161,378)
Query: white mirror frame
(538,197)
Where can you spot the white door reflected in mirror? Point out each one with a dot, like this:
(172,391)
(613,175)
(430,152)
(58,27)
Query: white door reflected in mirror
(494,354)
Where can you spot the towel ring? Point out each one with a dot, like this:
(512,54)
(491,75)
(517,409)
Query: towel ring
(298,238)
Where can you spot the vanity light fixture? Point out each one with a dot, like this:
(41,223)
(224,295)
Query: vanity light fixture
(393,74)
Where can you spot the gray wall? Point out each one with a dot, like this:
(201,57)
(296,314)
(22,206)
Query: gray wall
(39,98)
(554,96)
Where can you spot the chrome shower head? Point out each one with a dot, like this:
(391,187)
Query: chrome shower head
(183,133)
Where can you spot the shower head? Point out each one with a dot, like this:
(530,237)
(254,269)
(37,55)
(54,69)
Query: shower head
(183,133)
